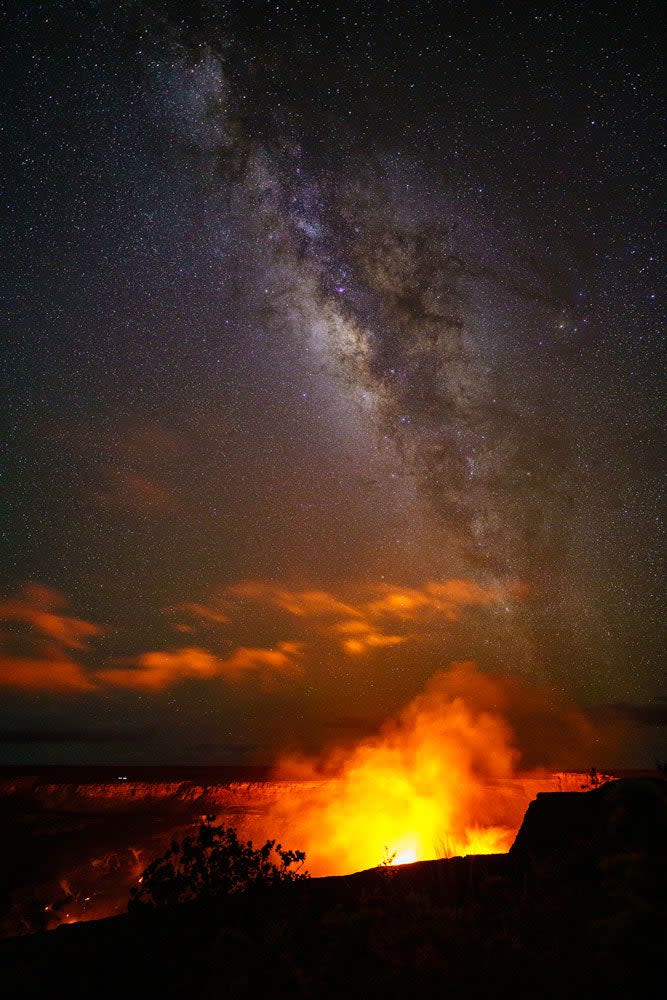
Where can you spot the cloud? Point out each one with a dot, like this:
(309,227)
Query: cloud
(37,645)
(55,673)
(157,670)
(446,599)
(302,603)
(282,659)
(40,607)
(132,490)
(39,642)
(200,612)
(131,466)
(357,636)
(41,637)
(357,622)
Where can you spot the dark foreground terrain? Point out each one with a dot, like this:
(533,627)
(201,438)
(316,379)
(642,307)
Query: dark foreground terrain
(577,908)
(74,841)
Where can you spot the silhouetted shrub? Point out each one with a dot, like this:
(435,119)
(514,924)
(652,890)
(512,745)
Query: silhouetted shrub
(213,863)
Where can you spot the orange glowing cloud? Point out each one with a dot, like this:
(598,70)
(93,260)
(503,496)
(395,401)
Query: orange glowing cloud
(358,623)
(40,607)
(133,463)
(157,670)
(302,603)
(358,637)
(133,491)
(39,658)
(362,621)
(56,673)
(446,598)
(281,660)
(202,613)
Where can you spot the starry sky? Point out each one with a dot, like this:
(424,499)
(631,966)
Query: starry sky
(331,355)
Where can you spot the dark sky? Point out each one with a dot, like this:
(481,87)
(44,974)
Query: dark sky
(331,354)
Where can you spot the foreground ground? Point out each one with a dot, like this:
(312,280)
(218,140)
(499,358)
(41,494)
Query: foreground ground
(577,908)
(73,841)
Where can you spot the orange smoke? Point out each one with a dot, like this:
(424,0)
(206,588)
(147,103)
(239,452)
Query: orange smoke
(440,780)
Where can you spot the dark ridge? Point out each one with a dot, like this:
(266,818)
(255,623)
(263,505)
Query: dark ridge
(198,774)
(149,774)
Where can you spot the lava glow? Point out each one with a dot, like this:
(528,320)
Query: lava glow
(438,781)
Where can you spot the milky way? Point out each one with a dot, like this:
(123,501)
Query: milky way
(416,306)
(314,317)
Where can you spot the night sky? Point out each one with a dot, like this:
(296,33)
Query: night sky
(331,354)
